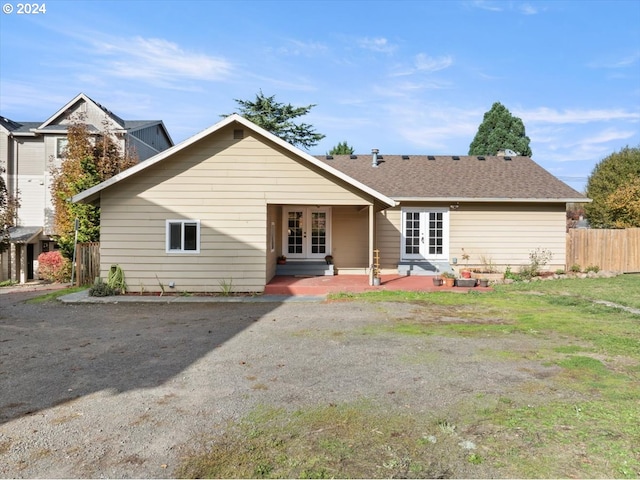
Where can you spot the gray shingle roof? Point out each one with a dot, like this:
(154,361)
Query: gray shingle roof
(465,178)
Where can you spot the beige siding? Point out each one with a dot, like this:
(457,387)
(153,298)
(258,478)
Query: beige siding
(388,235)
(350,245)
(226,184)
(507,233)
(504,233)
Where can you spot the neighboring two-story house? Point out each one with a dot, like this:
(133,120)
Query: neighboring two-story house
(29,150)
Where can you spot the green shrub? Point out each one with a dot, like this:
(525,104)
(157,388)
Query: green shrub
(575,268)
(101,289)
(592,268)
(508,274)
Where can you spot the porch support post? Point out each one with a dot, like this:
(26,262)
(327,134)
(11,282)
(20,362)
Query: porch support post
(23,263)
(371,242)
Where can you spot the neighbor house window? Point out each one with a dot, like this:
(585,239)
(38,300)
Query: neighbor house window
(183,236)
(61,147)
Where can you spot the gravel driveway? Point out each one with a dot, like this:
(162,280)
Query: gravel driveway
(121,390)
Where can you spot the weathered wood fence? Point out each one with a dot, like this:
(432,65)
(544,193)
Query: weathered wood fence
(87,263)
(616,250)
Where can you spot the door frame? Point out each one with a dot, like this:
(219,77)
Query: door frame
(424,234)
(307,243)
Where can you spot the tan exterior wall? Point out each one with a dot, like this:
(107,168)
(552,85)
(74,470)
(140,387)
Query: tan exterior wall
(504,233)
(350,245)
(230,187)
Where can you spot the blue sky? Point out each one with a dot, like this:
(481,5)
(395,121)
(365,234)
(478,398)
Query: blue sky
(404,77)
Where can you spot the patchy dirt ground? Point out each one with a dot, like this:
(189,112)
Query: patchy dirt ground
(123,390)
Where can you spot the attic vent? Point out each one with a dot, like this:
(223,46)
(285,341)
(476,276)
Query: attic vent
(238,134)
(405,157)
(329,157)
(480,158)
(508,159)
(353,157)
(455,157)
(430,157)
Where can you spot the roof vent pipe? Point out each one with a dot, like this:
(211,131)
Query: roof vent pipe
(374,159)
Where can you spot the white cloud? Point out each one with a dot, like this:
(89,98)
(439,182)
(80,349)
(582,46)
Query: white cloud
(623,62)
(487,5)
(424,62)
(527,9)
(549,115)
(300,48)
(157,59)
(379,44)
(511,6)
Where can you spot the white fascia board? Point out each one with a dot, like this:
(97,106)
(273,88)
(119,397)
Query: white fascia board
(91,193)
(492,200)
(63,109)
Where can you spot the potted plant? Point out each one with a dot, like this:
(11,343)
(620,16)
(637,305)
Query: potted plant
(329,259)
(483,282)
(449,279)
(437,281)
(282,260)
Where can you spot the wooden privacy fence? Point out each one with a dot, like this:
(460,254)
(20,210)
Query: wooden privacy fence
(615,250)
(87,263)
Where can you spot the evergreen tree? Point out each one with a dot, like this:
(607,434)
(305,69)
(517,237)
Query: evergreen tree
(87,162)
(500,130)
(277,118)
(614,187)
(341,148)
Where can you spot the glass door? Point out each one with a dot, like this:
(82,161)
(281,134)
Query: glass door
(425,234)
(307,232)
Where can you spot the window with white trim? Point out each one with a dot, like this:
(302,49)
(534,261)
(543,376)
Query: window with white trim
(183,236)
(61,147)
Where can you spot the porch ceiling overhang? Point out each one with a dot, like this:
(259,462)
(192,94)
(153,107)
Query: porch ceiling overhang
(24,234)
(93,193)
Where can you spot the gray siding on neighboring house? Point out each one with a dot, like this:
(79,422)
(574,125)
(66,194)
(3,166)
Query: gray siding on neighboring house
(153,136)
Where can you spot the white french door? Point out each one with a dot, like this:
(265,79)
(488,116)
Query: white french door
(425,234)
(307,232)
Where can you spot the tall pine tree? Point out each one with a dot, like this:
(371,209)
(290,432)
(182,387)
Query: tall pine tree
(277,118)
(341,148)
(500,130)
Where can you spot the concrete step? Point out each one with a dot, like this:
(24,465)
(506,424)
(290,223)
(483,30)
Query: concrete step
(423,268)
(293,268)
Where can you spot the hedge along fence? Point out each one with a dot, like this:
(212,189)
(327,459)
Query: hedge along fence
(615,250)
(87,263)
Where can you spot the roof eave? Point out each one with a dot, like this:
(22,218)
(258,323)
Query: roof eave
(494,199)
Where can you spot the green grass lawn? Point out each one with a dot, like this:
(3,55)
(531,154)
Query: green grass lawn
(586,423)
